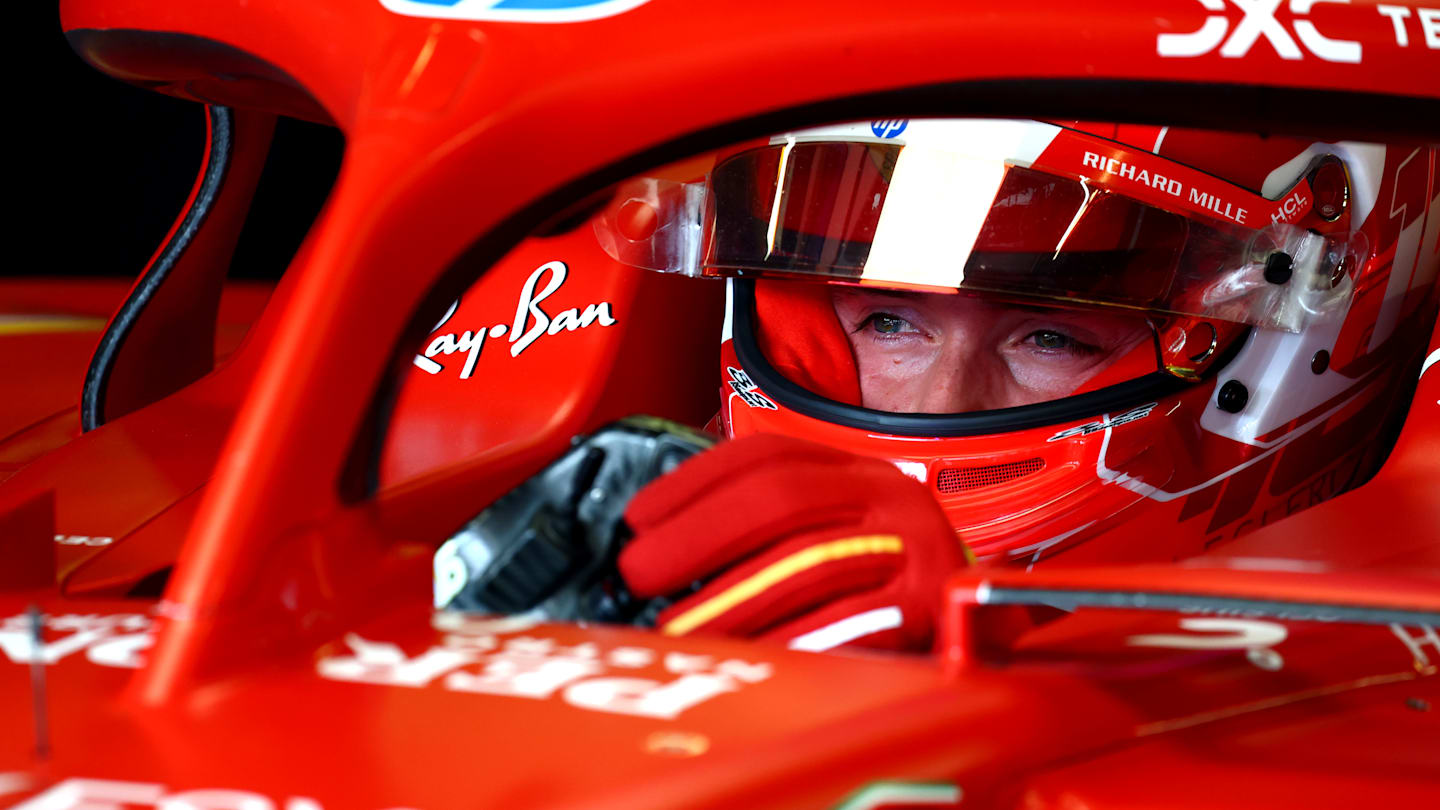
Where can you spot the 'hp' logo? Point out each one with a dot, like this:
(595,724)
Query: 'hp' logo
(889,129)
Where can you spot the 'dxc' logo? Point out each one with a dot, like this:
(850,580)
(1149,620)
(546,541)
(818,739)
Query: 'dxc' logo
(1259,21)
(889,129)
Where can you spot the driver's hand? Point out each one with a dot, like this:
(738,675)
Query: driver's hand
(796,542)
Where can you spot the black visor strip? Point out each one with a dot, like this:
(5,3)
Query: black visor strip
(97,377)
(1119,397)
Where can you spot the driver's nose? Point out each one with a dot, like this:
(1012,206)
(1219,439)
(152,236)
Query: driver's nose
(966,376)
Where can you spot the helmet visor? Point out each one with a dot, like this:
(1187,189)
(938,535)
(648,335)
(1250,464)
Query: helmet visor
(935,218)
(839,210)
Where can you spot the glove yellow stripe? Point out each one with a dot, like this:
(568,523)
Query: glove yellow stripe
(777,572)
(45,324)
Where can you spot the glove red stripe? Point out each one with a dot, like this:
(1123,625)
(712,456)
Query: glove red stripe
(776,573)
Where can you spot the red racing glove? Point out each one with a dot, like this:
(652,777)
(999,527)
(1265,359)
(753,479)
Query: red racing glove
(813,546)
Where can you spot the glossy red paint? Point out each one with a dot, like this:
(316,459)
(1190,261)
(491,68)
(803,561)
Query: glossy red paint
(299,541)
(48,332)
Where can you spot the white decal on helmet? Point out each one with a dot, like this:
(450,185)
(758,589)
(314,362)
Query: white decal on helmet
(1272,446)
(747,389)
(1104,423)
(1409,269)
(1037,550)
(519,11)
(1430,361)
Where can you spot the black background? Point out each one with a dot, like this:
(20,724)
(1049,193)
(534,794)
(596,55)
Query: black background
(104,167)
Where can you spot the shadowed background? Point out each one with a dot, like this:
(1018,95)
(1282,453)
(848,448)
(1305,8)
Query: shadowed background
(109,166)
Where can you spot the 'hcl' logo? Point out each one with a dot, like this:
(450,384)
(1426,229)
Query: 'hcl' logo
(1259,21)
(525,11)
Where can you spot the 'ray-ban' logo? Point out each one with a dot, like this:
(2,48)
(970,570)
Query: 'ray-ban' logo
(1259,21)
(532,322)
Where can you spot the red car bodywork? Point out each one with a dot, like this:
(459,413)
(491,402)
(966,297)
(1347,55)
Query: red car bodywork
(294,660)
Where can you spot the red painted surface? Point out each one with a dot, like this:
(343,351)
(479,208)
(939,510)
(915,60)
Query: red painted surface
(250,481)
(53,327)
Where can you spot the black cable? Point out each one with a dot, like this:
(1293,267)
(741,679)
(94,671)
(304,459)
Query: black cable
(97,376)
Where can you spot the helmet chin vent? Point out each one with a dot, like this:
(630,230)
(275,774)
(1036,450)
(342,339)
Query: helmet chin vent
(964,479)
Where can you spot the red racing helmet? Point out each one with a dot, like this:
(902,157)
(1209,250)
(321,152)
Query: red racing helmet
(1156,338)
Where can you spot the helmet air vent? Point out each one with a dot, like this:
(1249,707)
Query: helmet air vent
(964,479)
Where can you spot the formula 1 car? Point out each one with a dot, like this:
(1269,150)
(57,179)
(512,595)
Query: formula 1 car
(220,582)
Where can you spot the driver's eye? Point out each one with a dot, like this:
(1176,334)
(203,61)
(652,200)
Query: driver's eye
(885,324)
(1050,340)
(1046,339)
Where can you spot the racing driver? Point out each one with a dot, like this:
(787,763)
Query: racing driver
(1011,340)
